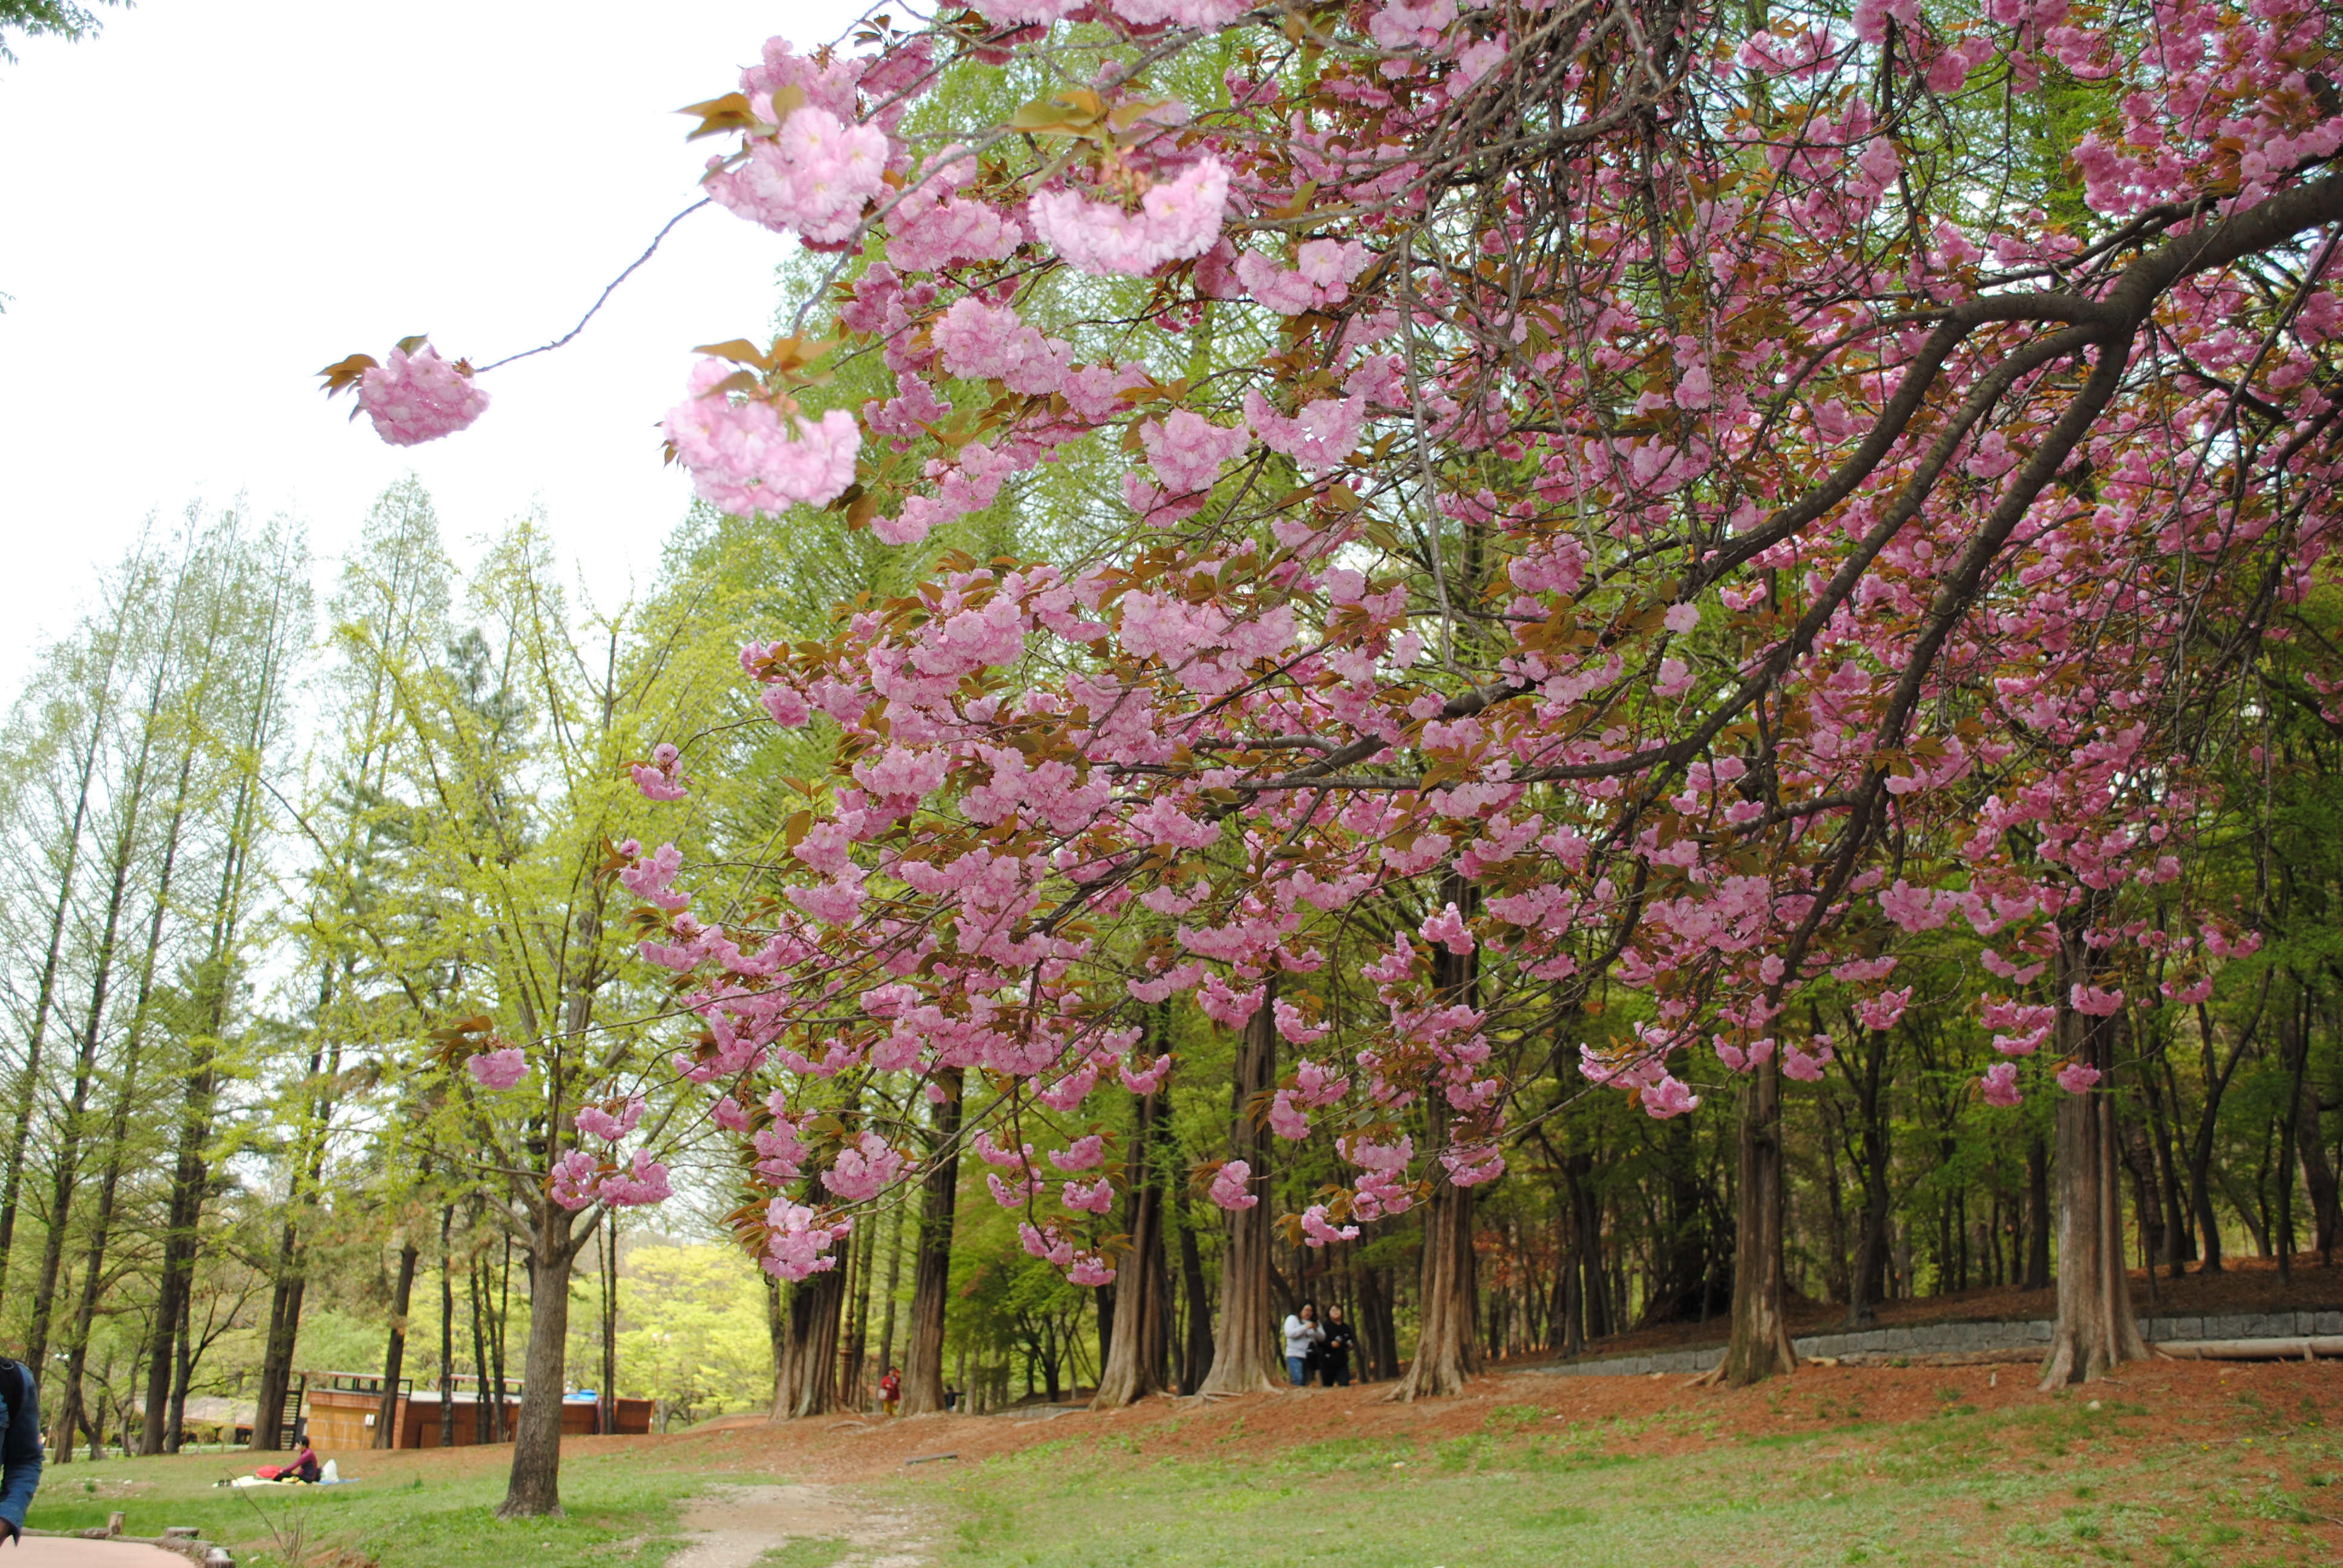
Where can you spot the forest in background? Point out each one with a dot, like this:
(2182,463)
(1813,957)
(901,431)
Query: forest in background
(271,858)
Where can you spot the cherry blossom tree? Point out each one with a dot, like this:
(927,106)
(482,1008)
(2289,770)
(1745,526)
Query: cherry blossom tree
(1603,489)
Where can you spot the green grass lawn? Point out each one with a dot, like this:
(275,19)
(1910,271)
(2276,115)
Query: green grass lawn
(2052,1482)
(415,1510)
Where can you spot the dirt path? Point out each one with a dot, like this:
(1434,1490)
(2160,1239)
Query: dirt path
(733,1526)
(61,1551)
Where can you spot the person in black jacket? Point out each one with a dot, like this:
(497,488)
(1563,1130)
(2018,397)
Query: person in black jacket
(20,1446)
(1334,1353)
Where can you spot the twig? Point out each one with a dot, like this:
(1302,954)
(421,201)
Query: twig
(605,296)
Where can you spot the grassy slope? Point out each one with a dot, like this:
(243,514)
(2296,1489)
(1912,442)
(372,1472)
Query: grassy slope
(2056,1483)
(2180,1464)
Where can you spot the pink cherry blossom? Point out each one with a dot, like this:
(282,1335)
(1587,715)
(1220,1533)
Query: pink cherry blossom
(1228,1189)
(1448,928)
(1089,1269)
(1176,220)
(2074,1078)
(1186,450)
(745,458)
(602,1124)
(419,396)
(1081,1154)
(1999,1085)
(1317,1230)
(1095,1198)
(2098,1004)
(1807,1067)
(661,778)
(1667,1098)
(798,1242)
(863,1170)
(812,177)
(497,1069)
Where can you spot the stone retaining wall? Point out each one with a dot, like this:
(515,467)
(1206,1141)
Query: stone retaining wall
(1958,1339)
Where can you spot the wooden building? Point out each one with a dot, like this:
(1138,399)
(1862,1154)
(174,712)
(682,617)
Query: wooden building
(343,1409)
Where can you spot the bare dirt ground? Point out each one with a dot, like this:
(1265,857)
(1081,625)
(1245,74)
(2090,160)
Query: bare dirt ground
(2192,1401)
(733,1526)
(56,1551)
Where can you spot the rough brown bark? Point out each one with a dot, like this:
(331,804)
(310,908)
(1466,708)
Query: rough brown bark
(923,1361)
(1245,1356)
(535,1487)
(1446,1353)
(806,1381)
(1761,1328)
(2095,1332)
(805,1378)
(1133,1367)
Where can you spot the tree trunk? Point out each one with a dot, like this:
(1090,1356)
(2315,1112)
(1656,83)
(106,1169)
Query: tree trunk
(191,1170)
(807,1383)
(2318,1176)
(447,1329)
(44,994)
(605,1273)
(1834,1276)
(923,1369)
(853,1389)
(1133,1368)
(2095,1332)
(2216,1074)
(1246,1358)
(284,1333)
(1867,1273)
(2037,1214)
(535,1487)
(101,1226)
(183,1372)
(1196,1345)
(886,1363)
(1760,1328)
(394,1355)
(501,1321)
(483,1427)
(776,1334)
(1446,1354)
(2294,1057)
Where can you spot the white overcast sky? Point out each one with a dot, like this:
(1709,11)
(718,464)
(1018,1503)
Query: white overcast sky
(213,198)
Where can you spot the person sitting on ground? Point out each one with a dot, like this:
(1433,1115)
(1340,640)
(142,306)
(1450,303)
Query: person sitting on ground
(304,1467)
(20,1446)
(1335,1362)
(1301,1336)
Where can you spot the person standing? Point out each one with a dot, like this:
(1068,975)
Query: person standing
(891,1389)
(1334,1357)
(20,1446)
(1302,1333)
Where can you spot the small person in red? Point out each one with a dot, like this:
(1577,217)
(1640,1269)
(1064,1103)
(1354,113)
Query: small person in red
(891,1389)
